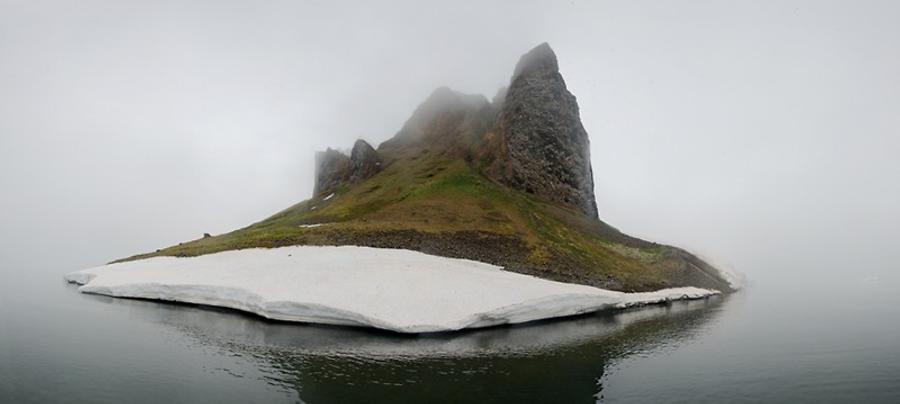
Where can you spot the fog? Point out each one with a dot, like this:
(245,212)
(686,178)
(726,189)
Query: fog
(762,135)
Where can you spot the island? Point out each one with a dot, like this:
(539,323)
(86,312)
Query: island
(475,213)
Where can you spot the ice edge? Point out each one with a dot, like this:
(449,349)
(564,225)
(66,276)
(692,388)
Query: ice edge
(552,304)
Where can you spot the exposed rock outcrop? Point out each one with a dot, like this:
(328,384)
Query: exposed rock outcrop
(544,148)
(364,161)
(530,134)
(334,168)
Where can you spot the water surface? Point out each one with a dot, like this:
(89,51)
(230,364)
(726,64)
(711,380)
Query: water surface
(58,345)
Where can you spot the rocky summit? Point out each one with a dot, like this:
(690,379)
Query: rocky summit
(506,181)
(544,149)
(334,169)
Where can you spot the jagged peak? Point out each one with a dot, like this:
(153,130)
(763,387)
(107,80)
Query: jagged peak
(545,147)
(541,58)
(360,147)
(332,167)
(364,161)
(335,168)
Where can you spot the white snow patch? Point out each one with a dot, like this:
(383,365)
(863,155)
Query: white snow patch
(309,226)
(331,195)
(392,289)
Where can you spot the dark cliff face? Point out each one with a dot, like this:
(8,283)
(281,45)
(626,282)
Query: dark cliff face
(364,161)
(544,149)
(334,168)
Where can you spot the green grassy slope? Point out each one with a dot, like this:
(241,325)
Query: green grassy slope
(446,206)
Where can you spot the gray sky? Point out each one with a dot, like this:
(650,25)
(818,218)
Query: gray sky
(761,134)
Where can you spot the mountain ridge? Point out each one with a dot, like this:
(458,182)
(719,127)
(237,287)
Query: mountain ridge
(506,181)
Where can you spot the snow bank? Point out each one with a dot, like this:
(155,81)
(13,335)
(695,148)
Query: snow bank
(391,289)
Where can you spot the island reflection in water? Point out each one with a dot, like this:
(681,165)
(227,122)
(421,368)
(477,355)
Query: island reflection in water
(551,361)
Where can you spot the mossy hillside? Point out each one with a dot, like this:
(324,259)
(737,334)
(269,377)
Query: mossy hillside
(433,194)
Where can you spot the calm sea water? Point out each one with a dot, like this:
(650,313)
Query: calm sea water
(771,343)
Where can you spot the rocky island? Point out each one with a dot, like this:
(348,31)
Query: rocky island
(476,213)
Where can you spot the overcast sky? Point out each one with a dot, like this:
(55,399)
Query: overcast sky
(761,134)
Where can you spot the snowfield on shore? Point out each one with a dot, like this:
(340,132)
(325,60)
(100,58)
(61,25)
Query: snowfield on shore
(392,289)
